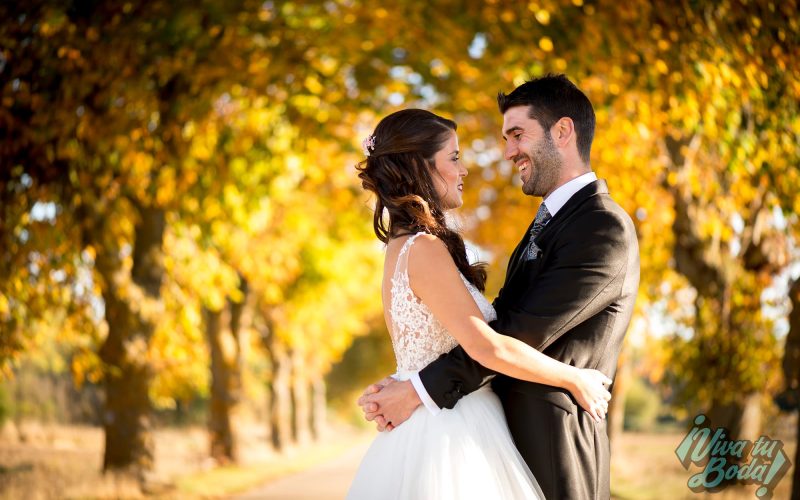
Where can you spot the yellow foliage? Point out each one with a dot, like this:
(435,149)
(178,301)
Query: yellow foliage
(247,132)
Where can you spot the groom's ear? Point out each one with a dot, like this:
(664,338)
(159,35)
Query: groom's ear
(563,131)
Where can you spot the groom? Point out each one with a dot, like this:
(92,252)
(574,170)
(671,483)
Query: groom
(569,291)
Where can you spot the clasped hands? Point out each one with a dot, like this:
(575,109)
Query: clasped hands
(389,403)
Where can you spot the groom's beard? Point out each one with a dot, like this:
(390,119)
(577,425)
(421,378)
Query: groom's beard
(545,169)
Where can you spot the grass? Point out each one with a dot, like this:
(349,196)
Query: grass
(57,461)
(644,467)
(65,462)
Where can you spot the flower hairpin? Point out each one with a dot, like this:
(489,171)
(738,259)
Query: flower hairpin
(368,144)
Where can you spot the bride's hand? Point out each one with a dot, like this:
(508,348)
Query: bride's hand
(591,392)
(370,408)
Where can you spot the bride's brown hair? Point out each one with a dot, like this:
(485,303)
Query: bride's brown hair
(399,172)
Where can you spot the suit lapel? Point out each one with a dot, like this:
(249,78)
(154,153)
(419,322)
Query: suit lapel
(518,257)
(592,189)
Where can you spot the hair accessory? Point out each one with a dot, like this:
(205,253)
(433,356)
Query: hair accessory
(368,144)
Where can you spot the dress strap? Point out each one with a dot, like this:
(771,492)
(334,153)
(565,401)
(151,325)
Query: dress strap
(402,257)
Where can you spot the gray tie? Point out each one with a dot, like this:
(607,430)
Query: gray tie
(542,218)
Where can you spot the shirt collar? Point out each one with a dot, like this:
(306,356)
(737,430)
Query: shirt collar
(563,193)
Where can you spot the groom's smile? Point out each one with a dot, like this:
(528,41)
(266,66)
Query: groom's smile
(523,165)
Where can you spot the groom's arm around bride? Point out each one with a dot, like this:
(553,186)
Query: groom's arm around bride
(575,309)
(575,306)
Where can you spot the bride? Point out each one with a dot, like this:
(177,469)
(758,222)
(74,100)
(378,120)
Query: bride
(433,301)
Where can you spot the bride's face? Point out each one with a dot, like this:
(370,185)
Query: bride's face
(451,172)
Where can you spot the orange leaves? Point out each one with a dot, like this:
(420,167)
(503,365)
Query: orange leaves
(247,128)
(69,53)
(5,309)
(542,15)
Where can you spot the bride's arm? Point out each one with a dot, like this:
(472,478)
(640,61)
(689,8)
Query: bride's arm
(435,279)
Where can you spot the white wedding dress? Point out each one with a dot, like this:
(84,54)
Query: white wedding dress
(463,453)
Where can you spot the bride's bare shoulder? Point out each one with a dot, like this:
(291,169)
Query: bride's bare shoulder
(428,255)
(395,244)
(393,248)
(428,244)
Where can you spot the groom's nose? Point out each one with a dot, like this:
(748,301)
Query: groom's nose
(510,152)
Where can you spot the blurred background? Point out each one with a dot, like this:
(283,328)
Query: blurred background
(189,282)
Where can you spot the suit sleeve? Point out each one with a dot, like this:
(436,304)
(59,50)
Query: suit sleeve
(452,376)
(581,280)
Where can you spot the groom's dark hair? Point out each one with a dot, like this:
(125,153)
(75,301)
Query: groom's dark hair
(551,98)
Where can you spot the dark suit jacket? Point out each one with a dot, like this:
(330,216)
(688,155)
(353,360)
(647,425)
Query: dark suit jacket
(574,303)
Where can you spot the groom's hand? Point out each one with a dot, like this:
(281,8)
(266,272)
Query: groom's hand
(390,406)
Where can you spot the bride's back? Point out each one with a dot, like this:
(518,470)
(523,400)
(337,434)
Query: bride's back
(417,336)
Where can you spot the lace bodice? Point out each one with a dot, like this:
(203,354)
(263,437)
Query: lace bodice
(417,336)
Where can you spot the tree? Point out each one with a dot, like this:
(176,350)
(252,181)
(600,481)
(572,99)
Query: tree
(789,400)
(140,190)
(104,143)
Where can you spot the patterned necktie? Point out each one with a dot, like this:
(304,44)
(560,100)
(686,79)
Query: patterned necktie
(542,218)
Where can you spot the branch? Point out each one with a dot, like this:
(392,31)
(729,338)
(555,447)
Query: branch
(700,264)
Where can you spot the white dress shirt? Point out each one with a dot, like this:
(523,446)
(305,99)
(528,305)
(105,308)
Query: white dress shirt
(554,202)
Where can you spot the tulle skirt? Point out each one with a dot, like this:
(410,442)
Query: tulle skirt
(463,453)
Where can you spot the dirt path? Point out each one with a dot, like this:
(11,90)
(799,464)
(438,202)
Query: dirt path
(326,481)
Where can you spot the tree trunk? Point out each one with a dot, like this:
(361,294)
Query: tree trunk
(132,308)
(319,408)
(791,351)
(616,408)
(280,409)
(222,329)
(796,475)
(301,399)
(742,419)
(791,375)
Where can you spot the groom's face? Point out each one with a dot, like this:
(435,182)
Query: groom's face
(532,150)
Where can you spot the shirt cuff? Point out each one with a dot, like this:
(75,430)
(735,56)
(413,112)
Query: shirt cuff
(423,394)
